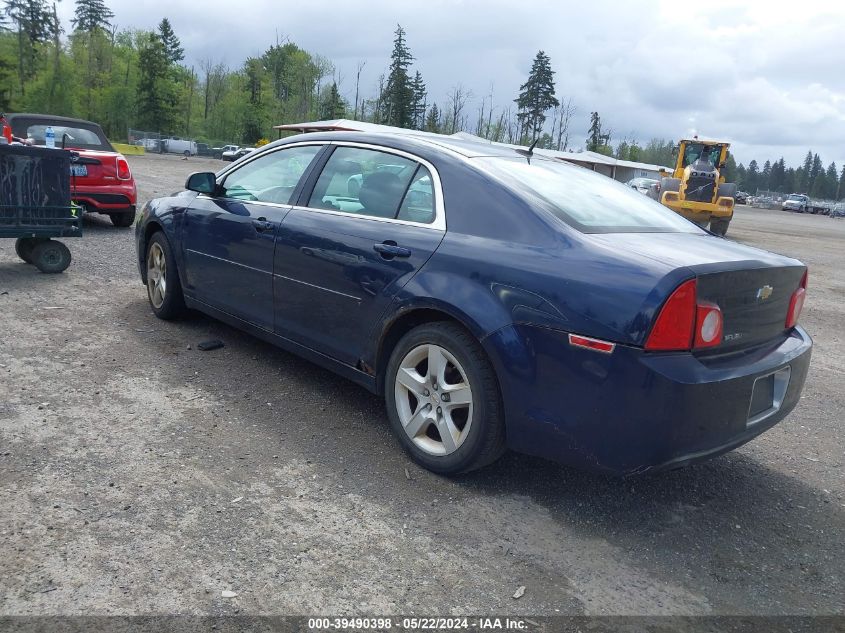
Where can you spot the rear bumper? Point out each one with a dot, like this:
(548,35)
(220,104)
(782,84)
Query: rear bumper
(106,200)
(630,411)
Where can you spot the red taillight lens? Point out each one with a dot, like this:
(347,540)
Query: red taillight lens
(708,325)
(796,303)
(674,326)
(123,169)
(684,323)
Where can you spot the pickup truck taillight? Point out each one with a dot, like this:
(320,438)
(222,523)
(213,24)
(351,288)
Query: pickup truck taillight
(123,172)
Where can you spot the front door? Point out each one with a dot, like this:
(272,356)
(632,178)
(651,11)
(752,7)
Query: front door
(229,238)
(369,223)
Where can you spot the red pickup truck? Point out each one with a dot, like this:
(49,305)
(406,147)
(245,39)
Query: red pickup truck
(101,180)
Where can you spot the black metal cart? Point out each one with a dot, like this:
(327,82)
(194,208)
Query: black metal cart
(35,204)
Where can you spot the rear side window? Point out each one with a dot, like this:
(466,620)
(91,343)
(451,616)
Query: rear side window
(73,135)
(590,202)
(272,177)
(376,184)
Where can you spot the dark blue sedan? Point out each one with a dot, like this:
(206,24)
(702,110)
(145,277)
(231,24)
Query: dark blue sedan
(496,298)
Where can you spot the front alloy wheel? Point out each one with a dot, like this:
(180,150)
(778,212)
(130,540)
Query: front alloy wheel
(164,289)
(156,275)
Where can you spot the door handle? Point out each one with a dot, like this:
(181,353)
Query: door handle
(261,225)
(389,249)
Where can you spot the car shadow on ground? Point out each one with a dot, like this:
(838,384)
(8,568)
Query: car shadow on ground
(734,515)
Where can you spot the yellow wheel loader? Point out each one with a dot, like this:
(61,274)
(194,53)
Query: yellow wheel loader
(697,189)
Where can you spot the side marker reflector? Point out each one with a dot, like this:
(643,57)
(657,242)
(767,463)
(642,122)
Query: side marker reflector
(592,343)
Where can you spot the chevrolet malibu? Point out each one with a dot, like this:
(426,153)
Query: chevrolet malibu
(495,298)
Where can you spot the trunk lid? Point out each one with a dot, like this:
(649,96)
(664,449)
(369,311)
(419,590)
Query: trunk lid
(94,167)
(752,287)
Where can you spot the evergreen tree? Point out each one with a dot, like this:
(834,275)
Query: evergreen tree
(333,107)
(419,91)
(820,187)
(432,123)
(399,92)
(789,179)
(729,171)
(742,178)
(597,139)
(35,24)
(840,193)
(155,95)
(805,181)
(778,176)
(172,46)
(766,175)
(752,177)
(536,97)
(816,169)
(91,15)
(831,177)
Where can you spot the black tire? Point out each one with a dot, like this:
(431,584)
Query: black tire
(186,153)
(51,256)
(173,305)
(485,441)
(24,247)
(123,219)
(719,226)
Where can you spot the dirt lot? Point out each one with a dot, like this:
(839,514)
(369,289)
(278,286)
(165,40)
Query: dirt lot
(139,475)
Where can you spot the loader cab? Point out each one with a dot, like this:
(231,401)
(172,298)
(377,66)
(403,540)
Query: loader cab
(691,150)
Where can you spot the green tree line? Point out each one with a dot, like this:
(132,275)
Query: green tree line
(137,79)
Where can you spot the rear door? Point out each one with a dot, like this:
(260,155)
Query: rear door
(229,239)
(372,217)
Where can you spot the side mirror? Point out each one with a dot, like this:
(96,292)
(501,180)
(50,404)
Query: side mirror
(202,182)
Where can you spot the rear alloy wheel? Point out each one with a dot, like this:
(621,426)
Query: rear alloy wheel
(164,289)
(443,399)
(50,256)
(123,219)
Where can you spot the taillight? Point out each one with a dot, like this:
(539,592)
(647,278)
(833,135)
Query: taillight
(674,326)
(684,323)
(796,303)
(123,172)
(708,325)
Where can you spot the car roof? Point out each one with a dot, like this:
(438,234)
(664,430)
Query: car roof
(464,147)
(48,117)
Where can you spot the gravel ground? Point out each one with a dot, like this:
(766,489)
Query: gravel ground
(141,476)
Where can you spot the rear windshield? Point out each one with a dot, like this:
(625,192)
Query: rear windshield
(586,200)
(78,136)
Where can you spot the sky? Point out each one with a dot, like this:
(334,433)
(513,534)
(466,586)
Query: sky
(767,76)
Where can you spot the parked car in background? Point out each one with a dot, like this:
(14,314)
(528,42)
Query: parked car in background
(238,153)
(494,299)
(797,202)
(217,152)
(204,150)
(838,210)
(101,181)
(741,197)
(643,185)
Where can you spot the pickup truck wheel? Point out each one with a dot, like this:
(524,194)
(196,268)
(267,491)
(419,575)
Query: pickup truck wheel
(50,256)
(123,219)
(443,399)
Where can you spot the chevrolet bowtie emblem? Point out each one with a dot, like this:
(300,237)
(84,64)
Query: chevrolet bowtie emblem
(764,293)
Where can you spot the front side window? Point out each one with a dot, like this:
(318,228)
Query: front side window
(272,177)
(376,184)
(590,202)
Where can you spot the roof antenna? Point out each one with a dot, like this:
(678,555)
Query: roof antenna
(530,151)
